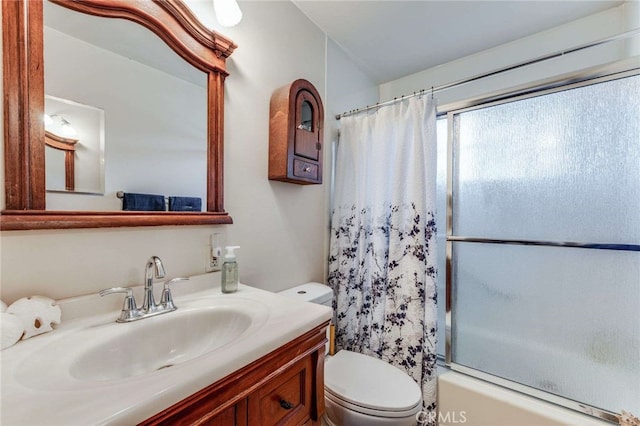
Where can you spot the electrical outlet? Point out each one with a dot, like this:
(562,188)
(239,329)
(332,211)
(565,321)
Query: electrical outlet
(209,265)
(216,257)
(213,256)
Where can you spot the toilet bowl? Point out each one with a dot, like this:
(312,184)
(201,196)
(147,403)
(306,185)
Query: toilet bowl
(360,389)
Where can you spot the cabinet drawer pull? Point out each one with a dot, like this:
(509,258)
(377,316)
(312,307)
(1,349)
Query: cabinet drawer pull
(306,169)
(286,404)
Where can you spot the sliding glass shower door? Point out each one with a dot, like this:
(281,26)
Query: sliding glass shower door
(544,241)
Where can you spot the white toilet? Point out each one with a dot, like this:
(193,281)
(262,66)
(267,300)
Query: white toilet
(361,390)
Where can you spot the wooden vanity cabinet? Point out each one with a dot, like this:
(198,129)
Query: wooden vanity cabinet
(296,134)
(285,387)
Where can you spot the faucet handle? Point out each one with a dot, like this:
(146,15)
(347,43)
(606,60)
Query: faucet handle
(129,307)
(167,301)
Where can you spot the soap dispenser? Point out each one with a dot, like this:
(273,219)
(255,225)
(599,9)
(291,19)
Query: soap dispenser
(230,271)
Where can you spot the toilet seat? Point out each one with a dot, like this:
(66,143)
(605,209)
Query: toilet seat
(370,386)
(372,412)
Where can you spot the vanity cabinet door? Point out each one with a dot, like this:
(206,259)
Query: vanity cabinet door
(200,411)
(286,399)
(233,416)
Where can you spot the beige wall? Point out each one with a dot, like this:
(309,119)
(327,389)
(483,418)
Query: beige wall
(281,227)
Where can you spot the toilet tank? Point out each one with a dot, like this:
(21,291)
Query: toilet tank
(310,292)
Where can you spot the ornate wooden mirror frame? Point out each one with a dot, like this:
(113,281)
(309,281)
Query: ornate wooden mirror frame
(23,79)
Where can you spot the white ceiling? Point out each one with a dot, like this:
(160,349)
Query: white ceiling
(391,39)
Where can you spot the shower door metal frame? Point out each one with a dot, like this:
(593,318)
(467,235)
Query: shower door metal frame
(595,75)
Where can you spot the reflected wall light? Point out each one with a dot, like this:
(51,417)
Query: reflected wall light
(227,12)
(64,127)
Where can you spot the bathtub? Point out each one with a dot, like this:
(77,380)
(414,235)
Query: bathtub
(465,400)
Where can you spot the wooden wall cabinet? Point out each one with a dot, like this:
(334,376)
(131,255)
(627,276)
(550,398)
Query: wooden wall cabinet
(295,134)
(285,387)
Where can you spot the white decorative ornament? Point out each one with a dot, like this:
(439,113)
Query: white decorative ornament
(37,314)
(11,331)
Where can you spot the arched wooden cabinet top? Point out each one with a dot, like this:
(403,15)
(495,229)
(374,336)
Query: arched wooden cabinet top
(295,134)
(23,79)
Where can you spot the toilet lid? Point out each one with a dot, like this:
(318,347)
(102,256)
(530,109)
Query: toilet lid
(370,383)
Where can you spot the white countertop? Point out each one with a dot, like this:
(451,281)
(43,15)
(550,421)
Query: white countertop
(38,390)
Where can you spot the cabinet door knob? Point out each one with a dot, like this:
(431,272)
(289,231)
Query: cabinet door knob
(307,169)
(286,404)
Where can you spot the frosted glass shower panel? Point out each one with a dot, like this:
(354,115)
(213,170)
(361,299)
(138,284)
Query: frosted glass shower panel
(441,215)
(563,320)
(563,166)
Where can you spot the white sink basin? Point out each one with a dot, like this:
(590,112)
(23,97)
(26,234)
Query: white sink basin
(110,353)
(152,344)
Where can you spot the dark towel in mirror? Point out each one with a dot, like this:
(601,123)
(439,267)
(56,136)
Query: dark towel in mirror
(142,202)
(185,204)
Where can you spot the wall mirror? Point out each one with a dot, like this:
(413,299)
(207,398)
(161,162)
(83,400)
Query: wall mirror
(172,139)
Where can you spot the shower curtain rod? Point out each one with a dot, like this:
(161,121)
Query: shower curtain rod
(433,90)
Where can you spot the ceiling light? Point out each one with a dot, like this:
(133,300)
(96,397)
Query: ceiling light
(67,129)
(64,127)
(228,12)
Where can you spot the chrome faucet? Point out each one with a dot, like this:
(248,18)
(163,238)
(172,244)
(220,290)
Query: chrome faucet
(130,311)
(154,265)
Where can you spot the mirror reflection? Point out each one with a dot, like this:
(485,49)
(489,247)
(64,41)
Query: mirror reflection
(74,147)
(155,104)
(306,117)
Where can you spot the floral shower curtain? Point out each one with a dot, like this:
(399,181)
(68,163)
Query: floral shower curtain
(382,260)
